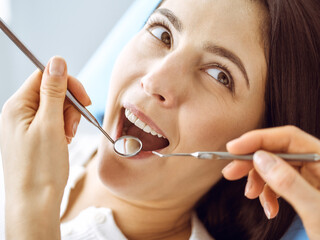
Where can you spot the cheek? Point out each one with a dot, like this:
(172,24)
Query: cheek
(211,126)
(123,68)
(207,132)
(133,62)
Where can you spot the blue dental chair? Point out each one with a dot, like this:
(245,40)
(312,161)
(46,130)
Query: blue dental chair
(97,72)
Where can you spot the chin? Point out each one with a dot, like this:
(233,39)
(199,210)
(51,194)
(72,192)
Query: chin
(128,178)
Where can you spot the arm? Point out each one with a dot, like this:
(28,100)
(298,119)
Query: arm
(270,177)
(36,127)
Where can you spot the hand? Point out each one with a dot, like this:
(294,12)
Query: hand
(270,177)
(36,126)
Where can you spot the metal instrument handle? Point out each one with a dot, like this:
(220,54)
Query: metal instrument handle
(41,67)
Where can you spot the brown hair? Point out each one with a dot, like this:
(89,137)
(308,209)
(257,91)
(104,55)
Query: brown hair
(292,97)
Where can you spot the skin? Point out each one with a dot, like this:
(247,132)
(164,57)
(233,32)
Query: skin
(164,83)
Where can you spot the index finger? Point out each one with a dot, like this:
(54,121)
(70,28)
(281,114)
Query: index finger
(288,139)
(79,92)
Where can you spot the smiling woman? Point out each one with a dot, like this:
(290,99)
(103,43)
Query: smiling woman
(192,79)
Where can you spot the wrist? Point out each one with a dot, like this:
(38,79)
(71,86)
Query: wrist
(33,216)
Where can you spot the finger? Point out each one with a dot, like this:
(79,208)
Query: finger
(71,114)
(52,92)
(280,139)
(71,119)
(69,140)
(269,202)
(311,173)
(237,169)
(287,182)
(313,169)
(78,91)
(255,185)
(30,86)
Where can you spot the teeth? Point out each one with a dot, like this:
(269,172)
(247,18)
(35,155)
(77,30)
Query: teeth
(127,113)
(132,118)
(147,129)
(136,121)
(139,123)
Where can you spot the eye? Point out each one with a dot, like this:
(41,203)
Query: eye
(221,76)
(162,34)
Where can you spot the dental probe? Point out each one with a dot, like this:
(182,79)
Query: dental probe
(227,156)
(41,67)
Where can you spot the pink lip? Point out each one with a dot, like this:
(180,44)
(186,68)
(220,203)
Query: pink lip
(143,154)
(144,118)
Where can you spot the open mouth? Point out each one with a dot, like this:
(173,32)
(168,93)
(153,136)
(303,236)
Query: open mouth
(134,126)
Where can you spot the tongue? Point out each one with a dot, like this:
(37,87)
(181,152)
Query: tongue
(149,142)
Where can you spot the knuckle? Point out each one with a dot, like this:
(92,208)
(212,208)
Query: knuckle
(11,109)
(5,108)
(53,91)
(291,129)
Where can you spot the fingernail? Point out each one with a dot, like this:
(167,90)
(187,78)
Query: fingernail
(57,67)
(69,140)
(266,207)
(248,187)
(227,168)
(74,129)
(264,161)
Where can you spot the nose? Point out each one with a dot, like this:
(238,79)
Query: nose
(166,81)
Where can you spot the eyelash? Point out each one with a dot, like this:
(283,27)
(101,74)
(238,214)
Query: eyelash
(154,22)
(225,70)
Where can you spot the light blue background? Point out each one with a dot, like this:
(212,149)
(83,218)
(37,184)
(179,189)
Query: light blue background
(71,28)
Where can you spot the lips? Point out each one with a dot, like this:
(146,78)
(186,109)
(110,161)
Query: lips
(137,124)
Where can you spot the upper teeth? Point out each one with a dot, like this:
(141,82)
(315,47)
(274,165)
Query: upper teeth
(136,121)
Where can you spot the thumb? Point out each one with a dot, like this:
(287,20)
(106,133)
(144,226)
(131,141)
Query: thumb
(53,89)
(286,182)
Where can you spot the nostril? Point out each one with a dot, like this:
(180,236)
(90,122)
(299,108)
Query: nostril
(159,97)
(162,99)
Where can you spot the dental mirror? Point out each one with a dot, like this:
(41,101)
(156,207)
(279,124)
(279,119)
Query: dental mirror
(125,146)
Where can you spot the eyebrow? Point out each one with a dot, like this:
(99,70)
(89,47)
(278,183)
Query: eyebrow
(177,24)
(208,47)
(223,52)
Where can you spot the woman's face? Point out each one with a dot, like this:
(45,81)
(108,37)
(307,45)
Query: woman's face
(194,74)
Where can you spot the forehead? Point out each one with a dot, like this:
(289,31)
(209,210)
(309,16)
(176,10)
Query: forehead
(233,24)
(236,18)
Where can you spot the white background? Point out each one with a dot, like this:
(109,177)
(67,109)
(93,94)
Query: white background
(72,29)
